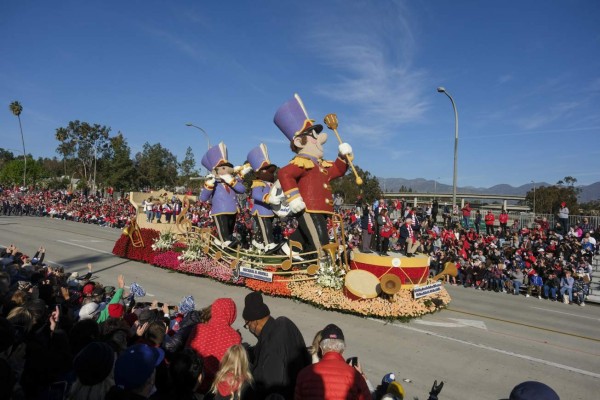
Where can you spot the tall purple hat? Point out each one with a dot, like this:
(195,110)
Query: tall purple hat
(215,157)
(292,119)
(258,157)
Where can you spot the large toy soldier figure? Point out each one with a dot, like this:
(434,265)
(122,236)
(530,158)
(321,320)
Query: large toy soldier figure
(305,180)
(221,188)
(262,214)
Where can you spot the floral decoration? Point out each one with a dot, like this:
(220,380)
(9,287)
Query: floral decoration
(165,241)
(323,290)
(331,276)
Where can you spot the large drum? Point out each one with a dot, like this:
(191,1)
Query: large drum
(360,284)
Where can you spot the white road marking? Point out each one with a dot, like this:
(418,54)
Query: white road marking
(84,247)
(566,313)
(459,323)
(87,241)
(470,322)
(505,352)
(440,324)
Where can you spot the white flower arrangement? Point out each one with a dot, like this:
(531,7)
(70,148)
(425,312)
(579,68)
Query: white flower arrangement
(165,241)
(193,251)
(330,275)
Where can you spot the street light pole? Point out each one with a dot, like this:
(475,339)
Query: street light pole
(443,90)
(201,130)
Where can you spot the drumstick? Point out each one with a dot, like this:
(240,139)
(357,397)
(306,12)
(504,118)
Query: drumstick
(332,123)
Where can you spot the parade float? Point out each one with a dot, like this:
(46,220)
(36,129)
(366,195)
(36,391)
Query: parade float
(322,270)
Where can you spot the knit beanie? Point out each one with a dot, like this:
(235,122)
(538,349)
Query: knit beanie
(255,308)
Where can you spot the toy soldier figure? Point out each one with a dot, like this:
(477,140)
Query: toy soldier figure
(262,214)
(221,188)
(305,181)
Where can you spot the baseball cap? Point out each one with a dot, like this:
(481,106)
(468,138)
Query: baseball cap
(89,311)
(388,378)
(332,331)
(88,289)
(136,364)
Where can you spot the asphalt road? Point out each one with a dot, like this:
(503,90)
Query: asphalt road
(481,346)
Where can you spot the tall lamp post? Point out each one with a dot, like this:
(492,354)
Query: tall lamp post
(205,134)
(443,90)
(201,130)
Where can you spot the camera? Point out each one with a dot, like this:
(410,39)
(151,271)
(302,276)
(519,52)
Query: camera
(353,361)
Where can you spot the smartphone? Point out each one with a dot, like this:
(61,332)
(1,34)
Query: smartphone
(353,361)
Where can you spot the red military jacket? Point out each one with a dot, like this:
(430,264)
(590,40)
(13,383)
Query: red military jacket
(309,177)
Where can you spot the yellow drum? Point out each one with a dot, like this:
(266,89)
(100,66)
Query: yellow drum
(360,284)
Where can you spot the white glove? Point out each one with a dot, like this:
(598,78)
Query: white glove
(275,194)
(297,205)
(246,169)
(274,199)
(228,179)
(344,149)
(209,180)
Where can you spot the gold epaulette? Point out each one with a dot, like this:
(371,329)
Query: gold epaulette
(257,184)
(304,163)
(326,164)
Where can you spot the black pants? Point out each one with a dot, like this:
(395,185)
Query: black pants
(264,229)
(225,224)
(312,231)
(385,244)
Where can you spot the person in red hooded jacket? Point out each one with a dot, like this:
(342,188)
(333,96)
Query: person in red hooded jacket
(212,339)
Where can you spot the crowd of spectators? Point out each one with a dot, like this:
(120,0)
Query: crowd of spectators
(79,207)
(549,262)
(66,336)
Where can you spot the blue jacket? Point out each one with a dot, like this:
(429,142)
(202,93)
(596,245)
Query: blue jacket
(536,280)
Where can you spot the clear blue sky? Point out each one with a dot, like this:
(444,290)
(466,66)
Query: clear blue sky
(525,76)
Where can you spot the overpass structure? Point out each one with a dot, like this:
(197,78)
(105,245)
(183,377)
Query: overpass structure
(501,200)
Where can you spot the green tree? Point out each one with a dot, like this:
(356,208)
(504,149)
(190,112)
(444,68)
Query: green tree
(156,167)
(117,167)
(187,167)
(16,108)
(5,156)
(52,166)
(590,208)
(82,141)
(346,185)
(548,198)
(12,172)
(568,180)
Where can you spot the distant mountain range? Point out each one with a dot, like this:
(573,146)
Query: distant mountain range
(588,192)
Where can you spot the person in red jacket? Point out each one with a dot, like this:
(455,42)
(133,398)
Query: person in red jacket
(212,339)
(466,213)
(331,378)
(503,219)
(489,223)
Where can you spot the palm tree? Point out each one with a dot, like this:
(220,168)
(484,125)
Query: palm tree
(16,108)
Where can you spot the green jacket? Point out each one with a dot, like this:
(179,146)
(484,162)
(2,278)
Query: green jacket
(115,299)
